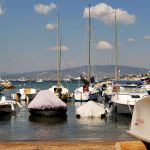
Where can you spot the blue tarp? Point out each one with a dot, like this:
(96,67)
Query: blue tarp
(128,82)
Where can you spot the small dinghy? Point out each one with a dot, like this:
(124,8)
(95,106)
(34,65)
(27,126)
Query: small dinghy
(47,104)
(91,109)
(8,106)
(140,124)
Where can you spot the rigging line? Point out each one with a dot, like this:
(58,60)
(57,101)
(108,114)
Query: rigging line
(116,44)
(58,53)
(89,69)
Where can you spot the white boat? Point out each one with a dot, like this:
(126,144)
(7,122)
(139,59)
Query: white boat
(75,78)
(7,84)
(1,87)
(39,80)
(47,104)
(8,106)
(140,124)
(147,86)
(22,79)
(25,94)
(66,79)
(124,98)
(91,109)
(60,91)
(88,91)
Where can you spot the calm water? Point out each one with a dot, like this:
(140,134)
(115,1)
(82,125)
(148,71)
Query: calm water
(22,126)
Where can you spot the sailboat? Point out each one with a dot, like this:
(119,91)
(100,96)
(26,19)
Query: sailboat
(87,91)
(58,89)
(125,93)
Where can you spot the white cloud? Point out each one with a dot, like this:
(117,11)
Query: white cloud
(106,13)
(2,10)
(44,9)
(104,45)
(131,40)
(55,48)
(147,37)
(51,26)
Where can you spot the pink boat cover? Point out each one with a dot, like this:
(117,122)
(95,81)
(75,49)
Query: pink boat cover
(46,100)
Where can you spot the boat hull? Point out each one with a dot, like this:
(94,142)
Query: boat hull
(122,109)
(2,88)
(5,109)
(140,120)
(48,112)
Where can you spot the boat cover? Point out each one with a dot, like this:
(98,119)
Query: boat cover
(46,100)
(128,82)
(90,109)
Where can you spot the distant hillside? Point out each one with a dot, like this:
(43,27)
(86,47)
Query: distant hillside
(106,69)
(100,71)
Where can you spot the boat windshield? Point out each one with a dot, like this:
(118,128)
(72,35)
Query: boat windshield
(132,90)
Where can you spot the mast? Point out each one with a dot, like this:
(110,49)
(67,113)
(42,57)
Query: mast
(89,46)
(116,56)
(58,53)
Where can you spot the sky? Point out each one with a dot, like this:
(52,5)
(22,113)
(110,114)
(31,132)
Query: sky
(28,33)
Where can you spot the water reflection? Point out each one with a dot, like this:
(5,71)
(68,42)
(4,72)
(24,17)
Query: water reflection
(119,118)
(5,118)
(48,120)
(23,126)
(90,121)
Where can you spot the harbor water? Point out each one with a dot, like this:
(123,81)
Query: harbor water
(23,126)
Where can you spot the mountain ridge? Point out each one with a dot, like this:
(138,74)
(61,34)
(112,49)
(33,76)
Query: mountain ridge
(100,71)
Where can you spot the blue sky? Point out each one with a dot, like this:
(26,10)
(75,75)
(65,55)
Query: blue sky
(28,33)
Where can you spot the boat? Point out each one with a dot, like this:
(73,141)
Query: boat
(1,87)
(47,104)
(126,94)
(22,79)
(91,109)
(7,84)
(75,78)
(88,91)
(146,84)
(67,79)
(61,92)
(39,80)
(26,94)
(140,122)
(58,89)
(8,106)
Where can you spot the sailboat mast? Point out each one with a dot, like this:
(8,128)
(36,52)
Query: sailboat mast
(58,53)
(89,65)
(116,56)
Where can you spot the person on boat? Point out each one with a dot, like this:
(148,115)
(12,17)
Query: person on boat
(18,97)
(59,90)
(85,88)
